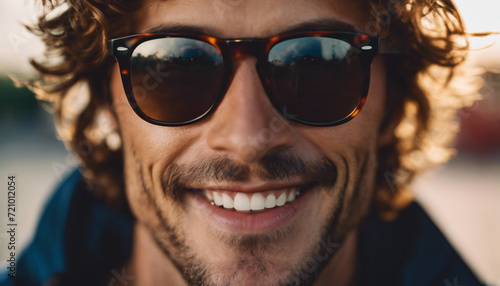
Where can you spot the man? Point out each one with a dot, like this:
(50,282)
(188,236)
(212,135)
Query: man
(263,143)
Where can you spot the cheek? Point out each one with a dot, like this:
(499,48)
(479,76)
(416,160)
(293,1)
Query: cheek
(147,150)
(352,147)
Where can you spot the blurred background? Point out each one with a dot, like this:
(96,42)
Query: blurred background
(462,196)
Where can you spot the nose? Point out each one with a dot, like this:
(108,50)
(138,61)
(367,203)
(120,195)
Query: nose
(245,125)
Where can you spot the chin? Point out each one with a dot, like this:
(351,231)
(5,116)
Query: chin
(285,255)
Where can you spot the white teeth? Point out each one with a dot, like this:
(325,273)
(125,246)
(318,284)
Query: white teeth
(218,199)
(281,200)
(245,202)
(209,196)
(241,202)
(227,201)
(270,201)
(257,202)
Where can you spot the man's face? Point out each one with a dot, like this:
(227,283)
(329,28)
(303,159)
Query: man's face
(246,149)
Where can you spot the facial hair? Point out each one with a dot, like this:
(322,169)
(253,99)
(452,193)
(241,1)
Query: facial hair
(280,166)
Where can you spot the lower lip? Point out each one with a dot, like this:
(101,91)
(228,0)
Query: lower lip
(268,220)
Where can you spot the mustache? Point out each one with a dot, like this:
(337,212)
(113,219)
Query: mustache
(278,166)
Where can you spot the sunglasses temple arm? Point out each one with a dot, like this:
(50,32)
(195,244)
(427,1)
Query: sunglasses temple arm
(110,47)
(387,47)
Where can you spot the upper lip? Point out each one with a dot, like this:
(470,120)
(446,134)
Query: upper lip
(252,187)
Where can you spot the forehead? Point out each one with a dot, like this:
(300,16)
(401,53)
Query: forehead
(247,18)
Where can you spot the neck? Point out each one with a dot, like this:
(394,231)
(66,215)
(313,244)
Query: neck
(150,266)
(342,267)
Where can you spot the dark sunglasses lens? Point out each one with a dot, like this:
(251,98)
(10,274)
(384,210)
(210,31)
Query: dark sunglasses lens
(176,80)
(316,79)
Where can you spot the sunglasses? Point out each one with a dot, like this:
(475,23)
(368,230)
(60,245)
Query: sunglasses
(316,78)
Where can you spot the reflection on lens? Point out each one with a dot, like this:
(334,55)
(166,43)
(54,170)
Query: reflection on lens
(176,79)
(316,79)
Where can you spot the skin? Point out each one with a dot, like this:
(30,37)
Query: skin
(173,234)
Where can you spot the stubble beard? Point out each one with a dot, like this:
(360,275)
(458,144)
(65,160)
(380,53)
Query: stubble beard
(255,264)
(255,252)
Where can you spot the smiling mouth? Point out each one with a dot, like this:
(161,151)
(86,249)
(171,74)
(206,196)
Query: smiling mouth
(253,202)
(236,209)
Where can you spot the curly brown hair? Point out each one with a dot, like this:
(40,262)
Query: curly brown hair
(430,32)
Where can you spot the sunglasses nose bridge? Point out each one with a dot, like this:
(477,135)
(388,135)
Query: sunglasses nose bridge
(246,47)
(250,47)
(256,48)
